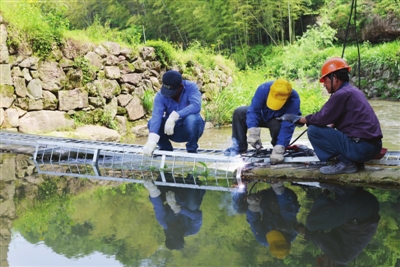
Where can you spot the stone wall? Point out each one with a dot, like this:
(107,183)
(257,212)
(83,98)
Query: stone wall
(107,80)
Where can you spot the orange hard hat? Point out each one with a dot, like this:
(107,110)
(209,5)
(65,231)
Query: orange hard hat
(332,65)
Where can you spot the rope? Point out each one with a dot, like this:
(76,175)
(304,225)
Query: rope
(354,7)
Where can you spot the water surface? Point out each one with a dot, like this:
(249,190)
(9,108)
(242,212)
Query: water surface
(65,221)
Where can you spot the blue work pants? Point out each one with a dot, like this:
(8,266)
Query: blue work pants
(328,142)
(239,128)
(189,130)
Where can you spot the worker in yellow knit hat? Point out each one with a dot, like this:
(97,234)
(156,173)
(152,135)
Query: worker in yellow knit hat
(270,101)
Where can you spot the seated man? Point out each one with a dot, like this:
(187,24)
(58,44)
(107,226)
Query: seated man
(341,222)
(346,128)
(271,100)
(176,115)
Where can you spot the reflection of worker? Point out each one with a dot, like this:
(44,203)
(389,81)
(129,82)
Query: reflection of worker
(354,134)
(176,115)
(271,214)
(342,221)
(180,216)
(271,100)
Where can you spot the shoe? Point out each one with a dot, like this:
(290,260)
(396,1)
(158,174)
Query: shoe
(360,166)
(339,168)
(192,151)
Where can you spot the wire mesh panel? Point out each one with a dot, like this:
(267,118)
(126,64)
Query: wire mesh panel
(127,163)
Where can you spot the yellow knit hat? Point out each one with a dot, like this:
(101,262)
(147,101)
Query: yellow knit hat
(278,94)
(278,246)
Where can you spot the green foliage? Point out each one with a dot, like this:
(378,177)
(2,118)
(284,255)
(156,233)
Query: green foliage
(97,116)
(82,64)
(99,32)
(311,96)
(165,51)
(40,23)
(147,100)
(387,8)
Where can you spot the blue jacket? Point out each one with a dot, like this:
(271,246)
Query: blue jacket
(189,103)
(278,212)
(191,220)
(258,111)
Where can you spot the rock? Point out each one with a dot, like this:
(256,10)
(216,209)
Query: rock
(51,75)
(94,59)
(135,109)
(44,121)
(73,99)
(5,74)
(112,48)
(34,89)
(98,133)
(107,88)
(12,117)
(6,95)
(140,130)
(20,86)
(112,72)
(2,116)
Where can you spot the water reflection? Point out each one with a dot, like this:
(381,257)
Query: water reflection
(341,222)
(177,210)
(87,222)
(271,214)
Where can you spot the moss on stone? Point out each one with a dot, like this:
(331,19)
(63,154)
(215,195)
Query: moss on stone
(6,90)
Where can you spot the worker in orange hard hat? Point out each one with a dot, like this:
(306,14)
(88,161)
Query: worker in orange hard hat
(341,222)
(346,130)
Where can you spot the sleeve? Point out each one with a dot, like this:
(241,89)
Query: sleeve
(330,112)
(194,222)
(157,114)
(193,105)
(258,102)
(160,210)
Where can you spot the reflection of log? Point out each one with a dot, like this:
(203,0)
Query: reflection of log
(7,206)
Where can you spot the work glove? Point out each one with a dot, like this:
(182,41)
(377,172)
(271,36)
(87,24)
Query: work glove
(151,187)
(151,144)
(170,196)
(254,203)
(254,138)
(277,154)
(170,123)
(278,188)
(292,118)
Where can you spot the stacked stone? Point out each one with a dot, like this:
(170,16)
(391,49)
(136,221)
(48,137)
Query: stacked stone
(38,95)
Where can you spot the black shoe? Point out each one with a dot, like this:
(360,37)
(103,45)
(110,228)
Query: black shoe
(360,166)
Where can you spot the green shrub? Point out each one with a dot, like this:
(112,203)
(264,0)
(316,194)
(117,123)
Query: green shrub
(39,23)
(148,99)
(165,51)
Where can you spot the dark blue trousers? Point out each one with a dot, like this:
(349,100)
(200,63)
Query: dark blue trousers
(328,142)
